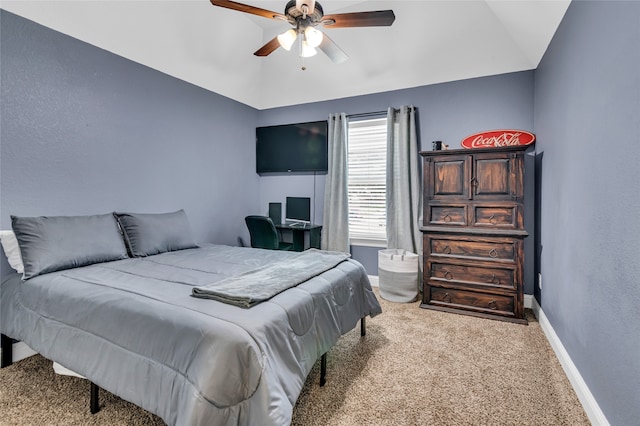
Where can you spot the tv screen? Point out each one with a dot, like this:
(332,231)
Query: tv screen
(301,147)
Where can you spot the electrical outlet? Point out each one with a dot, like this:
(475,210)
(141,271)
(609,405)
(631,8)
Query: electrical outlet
(540,280)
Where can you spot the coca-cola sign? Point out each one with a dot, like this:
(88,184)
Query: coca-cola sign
(497,138)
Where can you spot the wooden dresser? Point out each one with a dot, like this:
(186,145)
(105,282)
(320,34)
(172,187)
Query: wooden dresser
(473,231)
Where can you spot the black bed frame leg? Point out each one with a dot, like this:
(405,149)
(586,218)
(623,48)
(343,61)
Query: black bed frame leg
(323,358)
(7,351)
(94,404)
(323,369)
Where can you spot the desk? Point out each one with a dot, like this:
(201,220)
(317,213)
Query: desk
(298,231)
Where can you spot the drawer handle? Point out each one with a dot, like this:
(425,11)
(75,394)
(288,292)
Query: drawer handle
(447,218)
(446,298)
(448,275)
(493,305)
(446,250)
(495,280)
(492,219)
(493,253)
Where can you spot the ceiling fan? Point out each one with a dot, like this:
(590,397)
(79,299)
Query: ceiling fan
(304,16)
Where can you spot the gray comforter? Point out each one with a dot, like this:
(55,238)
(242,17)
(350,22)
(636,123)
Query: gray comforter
(133,328)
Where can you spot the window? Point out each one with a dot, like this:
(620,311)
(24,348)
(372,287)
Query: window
(367,158)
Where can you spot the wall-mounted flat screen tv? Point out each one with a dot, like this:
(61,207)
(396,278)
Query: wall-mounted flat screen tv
(301,147)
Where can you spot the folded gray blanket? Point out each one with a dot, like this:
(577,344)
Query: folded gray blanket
(258,285)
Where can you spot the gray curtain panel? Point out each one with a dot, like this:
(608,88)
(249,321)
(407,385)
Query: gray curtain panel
(335,226)
(403,181)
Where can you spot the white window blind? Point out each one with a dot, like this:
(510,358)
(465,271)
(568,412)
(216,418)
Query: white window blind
(367,158)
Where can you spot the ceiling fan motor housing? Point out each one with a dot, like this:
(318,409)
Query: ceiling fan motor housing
(305,6)
(295,9)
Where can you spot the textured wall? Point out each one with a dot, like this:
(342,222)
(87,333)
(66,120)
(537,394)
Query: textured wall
(84,131)
(587,119)
(447,112)
(102,133)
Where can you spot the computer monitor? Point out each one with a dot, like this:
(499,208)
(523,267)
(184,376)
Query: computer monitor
(298,210)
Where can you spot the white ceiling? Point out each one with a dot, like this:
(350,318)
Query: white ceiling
(430,42)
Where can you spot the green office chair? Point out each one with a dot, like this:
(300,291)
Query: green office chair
(264,234)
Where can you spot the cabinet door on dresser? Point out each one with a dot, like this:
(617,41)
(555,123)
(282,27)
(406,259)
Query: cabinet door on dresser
(494,176)
(497,176)
(448,177)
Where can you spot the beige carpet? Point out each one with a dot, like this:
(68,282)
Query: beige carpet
(414,367)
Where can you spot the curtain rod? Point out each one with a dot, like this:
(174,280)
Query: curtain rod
(369,114)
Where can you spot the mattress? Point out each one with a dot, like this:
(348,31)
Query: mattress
(132,327)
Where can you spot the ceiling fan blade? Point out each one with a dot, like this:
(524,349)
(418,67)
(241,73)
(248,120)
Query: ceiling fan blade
(380,18)
(331,49)
(268,48)
(248,9)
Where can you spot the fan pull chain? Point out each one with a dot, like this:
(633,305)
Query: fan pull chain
(303,66)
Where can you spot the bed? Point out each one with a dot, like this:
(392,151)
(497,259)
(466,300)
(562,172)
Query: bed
(133,327)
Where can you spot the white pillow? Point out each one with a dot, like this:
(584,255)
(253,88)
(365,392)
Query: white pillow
(12,250)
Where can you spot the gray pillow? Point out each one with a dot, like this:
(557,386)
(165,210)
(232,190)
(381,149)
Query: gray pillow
(147,234)
(53,243)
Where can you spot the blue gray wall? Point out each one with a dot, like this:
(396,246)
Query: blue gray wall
(102,133)
(447,112)
(587,120)
(84,131)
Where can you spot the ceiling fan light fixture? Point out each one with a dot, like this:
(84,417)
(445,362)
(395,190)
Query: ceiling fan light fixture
(307,51)
(287,38)
(313,36)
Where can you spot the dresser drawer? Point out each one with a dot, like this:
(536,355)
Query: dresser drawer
(497,216)
(487,303)
(505,216)
(472,274)
(474,248)
(449,215)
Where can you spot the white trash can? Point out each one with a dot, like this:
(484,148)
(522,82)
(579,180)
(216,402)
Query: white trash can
(398,275)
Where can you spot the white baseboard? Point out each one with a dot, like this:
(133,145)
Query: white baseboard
(591,407)
(59,369)
(20,351)
(528,301)
(373,279)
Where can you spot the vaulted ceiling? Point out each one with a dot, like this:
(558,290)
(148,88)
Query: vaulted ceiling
(429,42)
